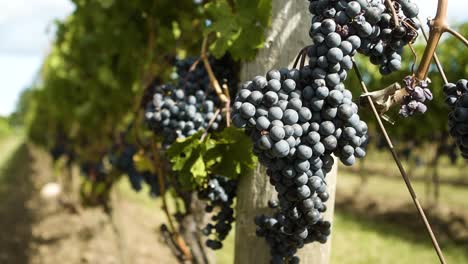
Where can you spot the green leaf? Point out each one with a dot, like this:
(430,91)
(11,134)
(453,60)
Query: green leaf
(198,169)
(234,154)
(228,153)
(241,31)
(187,158)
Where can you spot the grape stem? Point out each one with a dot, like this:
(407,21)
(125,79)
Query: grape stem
(394,13)
(301,57)
(437,27)
(415,55)
(214,82)
(227,105)
(209,124)
(158,166)
(298,58)
(400,167)
(194,65)
(436,58)
(410,44)
(223,93)
(457,35)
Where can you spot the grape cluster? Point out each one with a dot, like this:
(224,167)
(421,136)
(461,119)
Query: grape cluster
(57,151)
(176,113)
(457,100)
(418,93)
(365,25)
(219,194)
(278,239)
(123,161)
(148,92)
(191,80)
(180,110)
(183,109)
(94,171)
(62,148)
(121,157)
(297,120)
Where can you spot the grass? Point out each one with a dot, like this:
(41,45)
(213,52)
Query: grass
(382,161)
(16,192)
(355,240)
(395,189)
(10,149)
(358,241)
(142,197)
(7,146)
(5,128)
(224,256)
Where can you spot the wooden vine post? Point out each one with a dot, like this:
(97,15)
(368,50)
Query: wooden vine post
(287,36)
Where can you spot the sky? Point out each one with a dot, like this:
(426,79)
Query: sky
(26,31)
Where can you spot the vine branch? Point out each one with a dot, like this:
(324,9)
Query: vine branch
(457,35)
(228,105)
(400,167)
(223,93)
(437,27)
(209,70)
(209,124)
(436,58)
(394,13)
(162,188)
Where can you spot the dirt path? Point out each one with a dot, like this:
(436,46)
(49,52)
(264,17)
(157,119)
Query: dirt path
(449,225)
(35,230)
(15,218)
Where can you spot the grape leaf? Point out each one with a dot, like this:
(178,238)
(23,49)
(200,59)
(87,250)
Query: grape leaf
(187,158)
(227,153)
(143,163)
(239,30)
(237,157)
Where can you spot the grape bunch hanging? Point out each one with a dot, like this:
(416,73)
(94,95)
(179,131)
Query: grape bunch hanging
(190,105)
(174,113)
(121,157)
(457,100)
(298,118)
(62,147)
(181,110)
(418,94)
(371,26)
(93,171)
(219,194)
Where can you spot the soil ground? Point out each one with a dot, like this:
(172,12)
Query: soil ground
(376,226)
(38,230)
